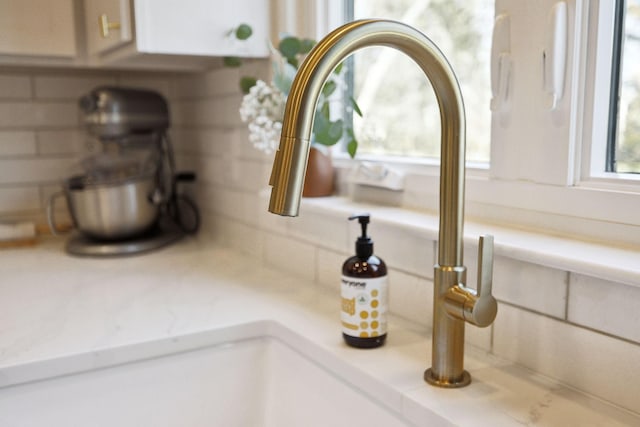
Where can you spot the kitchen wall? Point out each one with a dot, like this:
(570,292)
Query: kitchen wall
(559,322)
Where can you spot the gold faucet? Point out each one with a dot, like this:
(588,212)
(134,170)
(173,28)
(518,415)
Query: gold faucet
(454,303)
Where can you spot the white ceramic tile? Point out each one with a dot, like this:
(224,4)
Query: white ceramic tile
(148,81)
(531,286)
(400,247)
(324,231)
(209,169)
(255,208)
(19,199)
(13,86)
(589,361)
(224,202)
(219,81)
(70,87)
(605,306)
(330,268)
(290,256)
(247,175)
(65,141)
(411,297)
(16,143)
(34,170)
(245,239)
(201,141)
(50,114)
(218,112)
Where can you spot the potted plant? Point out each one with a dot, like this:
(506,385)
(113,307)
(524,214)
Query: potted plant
(263,105)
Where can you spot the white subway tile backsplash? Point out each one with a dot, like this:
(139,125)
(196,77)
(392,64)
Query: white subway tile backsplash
(34,170)
(322,230)
(36,115)
(330,268)
(220,81)
(64,141)
(411,297)
(245,239)
(409,250)
(291,256)
(245,175)
(219,112)
(531,286)
(69,87)
(16,143)
(201,141)
(19,199)
(14,86)
(605,306)
(158,84)
(589,361)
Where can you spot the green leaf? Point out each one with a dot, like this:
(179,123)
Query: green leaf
(355,106)
(352,147)
(306,45)
(246,83)
(289,47)
(293,61)
(336,129)
(338,69)
(232,61)
(325,111)
(328,133)
(243,31)
(328,88)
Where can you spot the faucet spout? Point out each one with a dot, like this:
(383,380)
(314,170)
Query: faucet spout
(287,177)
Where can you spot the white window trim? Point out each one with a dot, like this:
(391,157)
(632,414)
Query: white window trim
(574,202)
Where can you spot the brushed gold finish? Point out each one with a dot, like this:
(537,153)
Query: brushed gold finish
(454,303)
(106,26)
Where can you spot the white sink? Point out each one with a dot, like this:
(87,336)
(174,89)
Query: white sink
(254,381)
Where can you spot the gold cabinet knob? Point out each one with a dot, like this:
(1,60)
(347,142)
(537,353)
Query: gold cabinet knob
(105,25)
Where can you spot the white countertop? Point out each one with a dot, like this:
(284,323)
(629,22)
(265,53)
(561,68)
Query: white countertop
(55,308)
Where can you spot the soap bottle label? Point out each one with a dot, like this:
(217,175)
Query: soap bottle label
(364,306)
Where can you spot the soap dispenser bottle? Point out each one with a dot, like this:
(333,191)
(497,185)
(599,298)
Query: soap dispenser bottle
(364,292)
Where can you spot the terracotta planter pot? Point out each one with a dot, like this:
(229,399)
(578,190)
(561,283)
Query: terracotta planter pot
(318,181)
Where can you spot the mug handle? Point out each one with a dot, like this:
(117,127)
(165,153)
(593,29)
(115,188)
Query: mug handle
(51,214)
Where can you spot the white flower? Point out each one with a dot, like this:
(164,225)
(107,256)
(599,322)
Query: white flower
(263,109)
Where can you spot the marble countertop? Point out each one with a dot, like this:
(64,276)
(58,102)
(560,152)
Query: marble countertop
(54,307)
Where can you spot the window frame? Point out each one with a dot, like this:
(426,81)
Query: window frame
(579,200)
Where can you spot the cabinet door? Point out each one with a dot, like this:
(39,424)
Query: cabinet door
(37,28)
(201,27)
(108,24)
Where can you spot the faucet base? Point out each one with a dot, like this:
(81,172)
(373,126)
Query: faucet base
(464,380)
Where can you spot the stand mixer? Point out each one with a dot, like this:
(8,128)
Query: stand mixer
(125,200)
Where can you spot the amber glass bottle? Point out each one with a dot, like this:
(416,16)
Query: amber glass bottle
(364,292)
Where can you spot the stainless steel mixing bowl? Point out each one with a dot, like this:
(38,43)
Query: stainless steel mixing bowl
(109,211)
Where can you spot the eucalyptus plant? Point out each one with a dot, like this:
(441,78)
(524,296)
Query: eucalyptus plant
(286,59)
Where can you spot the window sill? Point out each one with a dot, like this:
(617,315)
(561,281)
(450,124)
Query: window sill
(617,264)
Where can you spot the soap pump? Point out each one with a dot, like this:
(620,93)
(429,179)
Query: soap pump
(364,292)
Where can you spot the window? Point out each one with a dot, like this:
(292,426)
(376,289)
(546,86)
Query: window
(623,149)
(547,168)
(385,79)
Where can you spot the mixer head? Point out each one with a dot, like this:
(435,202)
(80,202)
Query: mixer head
(111,112)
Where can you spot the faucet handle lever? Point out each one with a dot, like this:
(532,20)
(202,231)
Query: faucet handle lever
(481,308)
(485,265)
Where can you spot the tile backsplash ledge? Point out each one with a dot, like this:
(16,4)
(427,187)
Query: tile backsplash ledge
(567,323)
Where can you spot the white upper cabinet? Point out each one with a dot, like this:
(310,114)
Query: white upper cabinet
(145,34)
(172,34)
(37,28)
